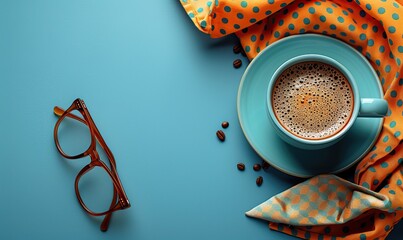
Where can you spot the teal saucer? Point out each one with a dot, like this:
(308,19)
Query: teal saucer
(252,114)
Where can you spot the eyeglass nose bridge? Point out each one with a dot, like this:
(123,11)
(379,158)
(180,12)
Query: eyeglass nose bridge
(95,159)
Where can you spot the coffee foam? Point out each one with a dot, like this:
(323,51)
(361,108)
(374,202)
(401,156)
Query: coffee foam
(312,100)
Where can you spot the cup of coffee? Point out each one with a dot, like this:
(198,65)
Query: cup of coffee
(313,100)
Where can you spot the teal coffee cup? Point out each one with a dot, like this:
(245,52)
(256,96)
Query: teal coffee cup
(313,100)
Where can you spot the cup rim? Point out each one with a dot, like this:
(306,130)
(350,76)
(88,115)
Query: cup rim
(318,58)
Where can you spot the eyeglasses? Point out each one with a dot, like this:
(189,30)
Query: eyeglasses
(119,200)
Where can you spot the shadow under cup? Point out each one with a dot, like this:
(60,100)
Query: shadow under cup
(359,107)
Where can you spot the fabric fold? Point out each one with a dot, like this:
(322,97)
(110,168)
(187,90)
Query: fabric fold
(325,199)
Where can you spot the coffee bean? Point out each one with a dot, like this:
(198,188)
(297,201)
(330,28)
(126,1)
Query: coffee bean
(265,165)
(225,124)
(221,135)
(259,181)
(240,166)
(237,48)
(237,63)
(257,167)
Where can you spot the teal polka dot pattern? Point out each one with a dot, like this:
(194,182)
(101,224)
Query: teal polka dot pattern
(365,184)
(244,4)
(351,27)
(291,26)
(395,16)
(364,26)
(340,19)
(203,23)
(392,29)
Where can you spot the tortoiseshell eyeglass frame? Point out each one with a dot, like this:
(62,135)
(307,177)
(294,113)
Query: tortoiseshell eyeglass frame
(119,200)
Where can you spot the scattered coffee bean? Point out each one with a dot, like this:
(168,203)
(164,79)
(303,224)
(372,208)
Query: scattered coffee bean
(221,135)
(225,124)
(237,48)
(240,166)
(237,63)
(265,165)
(257,167)
(259,181)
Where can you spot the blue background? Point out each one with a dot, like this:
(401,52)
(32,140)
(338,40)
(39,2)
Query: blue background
(158,90)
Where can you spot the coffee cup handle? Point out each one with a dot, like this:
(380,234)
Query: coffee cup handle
(373,107)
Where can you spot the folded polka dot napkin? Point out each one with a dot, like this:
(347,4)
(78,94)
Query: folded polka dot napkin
(326,206)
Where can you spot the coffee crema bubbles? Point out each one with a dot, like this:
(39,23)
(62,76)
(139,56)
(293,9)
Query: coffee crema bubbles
(312,100)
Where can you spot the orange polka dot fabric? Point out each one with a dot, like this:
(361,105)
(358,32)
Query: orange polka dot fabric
(325,206)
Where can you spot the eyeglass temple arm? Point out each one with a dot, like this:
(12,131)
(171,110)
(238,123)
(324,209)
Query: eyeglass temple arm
(105,223)
(59,112)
